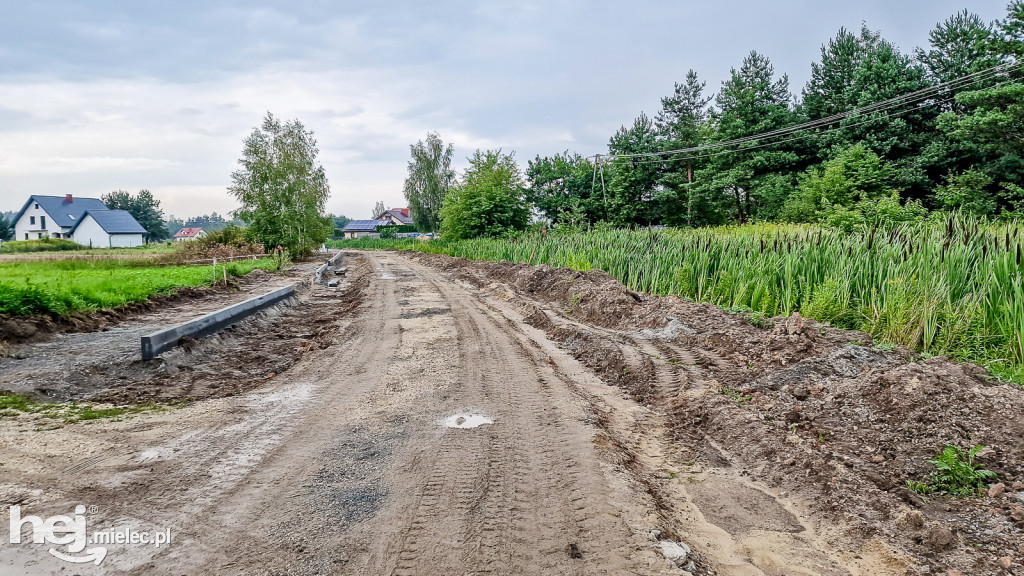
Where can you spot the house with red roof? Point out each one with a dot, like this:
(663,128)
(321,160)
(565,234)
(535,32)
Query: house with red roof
(189,234)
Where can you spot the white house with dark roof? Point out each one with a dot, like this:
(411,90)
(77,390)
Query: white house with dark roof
(108,229)
(87,221)
(52,216)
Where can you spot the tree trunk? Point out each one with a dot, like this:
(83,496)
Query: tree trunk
(739,204)
(689,200)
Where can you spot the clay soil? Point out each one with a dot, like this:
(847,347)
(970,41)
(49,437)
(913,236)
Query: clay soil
(623,425)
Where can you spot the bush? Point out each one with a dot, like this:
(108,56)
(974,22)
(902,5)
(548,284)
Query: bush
(42,245)
(228,242)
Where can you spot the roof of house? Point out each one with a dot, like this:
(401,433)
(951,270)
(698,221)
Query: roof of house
(364,225)
(188,232)
(402,214)
(64,214)
(113,221)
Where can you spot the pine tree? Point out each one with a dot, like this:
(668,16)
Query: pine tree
(633,181)
(757,182)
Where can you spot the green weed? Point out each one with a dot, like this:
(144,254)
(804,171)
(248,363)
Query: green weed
(956,474)
(14,405)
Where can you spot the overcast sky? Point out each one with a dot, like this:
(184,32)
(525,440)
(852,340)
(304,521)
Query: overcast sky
(101,95)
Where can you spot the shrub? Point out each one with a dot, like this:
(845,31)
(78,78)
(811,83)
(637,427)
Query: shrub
(42,245)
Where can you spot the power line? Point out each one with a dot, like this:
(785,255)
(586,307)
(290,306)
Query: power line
(661,159)
(881,106)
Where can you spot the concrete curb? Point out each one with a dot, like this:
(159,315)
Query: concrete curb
(319,274)
(158,342)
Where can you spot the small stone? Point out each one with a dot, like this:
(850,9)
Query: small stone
(996,490)
(1018,485)
(793,439)
(913,519)
(674,552)
(1005,562)
(790,462)
(954,573)
(877,459)
(939,538)
(1017,513)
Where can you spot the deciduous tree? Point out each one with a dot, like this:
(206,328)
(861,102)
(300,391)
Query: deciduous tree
(429,180)
(282,187)
(489,201)
(144,208)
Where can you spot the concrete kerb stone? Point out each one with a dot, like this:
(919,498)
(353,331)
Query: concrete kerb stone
(319,274)
(154,344)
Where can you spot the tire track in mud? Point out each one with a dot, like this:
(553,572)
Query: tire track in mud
(771,541)
(507,498)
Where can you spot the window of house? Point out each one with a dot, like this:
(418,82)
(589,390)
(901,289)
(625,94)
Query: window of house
(26,235)
(42,222)
(32,220)
(37,205)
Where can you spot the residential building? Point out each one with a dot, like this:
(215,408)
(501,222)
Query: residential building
(52,216)
(108,229)
(189,234)
(87,221)
(397,216)
(363,228)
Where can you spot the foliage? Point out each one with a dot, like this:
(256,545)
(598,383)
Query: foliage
(631,188)
(968,192)
(430,178)
(956,474)
(229,242)
(855,174)
(6,227)
(41,245)
(913,136)
(960,45)
(489,200)
(144,208)
(339,223)
(378,210)
(740,184)
(561,188)
(282,187)
(65,286)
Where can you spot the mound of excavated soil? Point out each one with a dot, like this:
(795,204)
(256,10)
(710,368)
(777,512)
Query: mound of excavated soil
(809,409)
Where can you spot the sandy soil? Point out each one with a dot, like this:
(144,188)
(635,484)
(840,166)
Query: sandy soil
(314,442)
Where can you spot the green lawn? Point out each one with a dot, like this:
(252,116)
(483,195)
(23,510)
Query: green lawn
(64,286)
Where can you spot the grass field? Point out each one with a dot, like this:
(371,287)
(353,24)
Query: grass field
(60,287)
(952,287)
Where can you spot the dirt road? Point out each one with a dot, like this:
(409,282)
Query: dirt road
(358,458)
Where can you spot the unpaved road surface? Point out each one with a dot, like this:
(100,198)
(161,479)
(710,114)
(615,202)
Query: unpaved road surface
(600,455)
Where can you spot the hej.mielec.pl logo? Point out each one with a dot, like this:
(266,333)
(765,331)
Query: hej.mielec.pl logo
(73,533)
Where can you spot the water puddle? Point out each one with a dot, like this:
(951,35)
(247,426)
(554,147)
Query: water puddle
(467,421)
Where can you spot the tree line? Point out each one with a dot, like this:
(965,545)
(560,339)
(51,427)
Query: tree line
(953,139)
